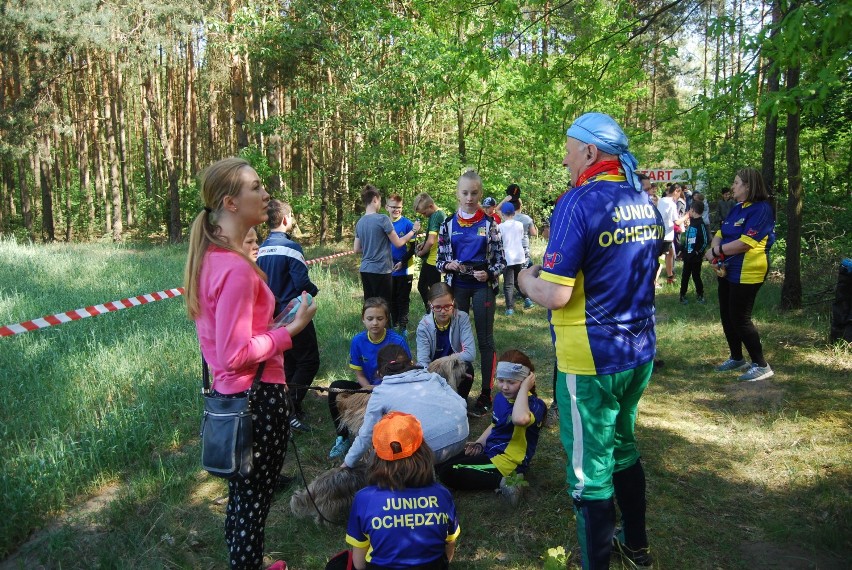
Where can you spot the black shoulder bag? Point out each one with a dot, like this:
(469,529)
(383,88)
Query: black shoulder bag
(226,429)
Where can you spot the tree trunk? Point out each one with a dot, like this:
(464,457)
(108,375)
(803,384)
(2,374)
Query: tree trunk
(48,231)
(114,176)
(770,133)
(98,149)
(117,87)
(238,95)
(273,145)
(26,202)
(168,158)
(146,149)
(791,290)
(66,167)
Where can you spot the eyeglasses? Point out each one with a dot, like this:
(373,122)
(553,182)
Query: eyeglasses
(443,308)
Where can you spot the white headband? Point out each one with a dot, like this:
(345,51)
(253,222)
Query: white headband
(512,371)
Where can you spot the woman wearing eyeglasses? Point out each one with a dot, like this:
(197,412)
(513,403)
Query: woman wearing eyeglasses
(446,331)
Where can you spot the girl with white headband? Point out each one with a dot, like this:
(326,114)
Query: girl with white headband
(500,456)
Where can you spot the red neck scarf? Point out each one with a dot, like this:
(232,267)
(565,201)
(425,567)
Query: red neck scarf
(474,219)
(604,167)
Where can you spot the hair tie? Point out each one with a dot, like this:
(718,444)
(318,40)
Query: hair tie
(207,209)
(392,362)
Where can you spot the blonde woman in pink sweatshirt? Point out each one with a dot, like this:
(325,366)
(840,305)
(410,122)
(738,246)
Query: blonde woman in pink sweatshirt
(227,297)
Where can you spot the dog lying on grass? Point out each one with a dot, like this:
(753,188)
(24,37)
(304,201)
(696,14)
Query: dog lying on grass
(332,491)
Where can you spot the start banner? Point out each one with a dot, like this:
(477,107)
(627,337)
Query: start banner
(668,174)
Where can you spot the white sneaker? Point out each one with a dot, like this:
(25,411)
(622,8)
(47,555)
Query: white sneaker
(756,373)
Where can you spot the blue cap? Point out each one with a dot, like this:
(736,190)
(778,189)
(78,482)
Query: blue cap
(507,208)
(489,202)
(602,131)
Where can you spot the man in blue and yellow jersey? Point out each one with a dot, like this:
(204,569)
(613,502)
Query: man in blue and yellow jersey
(597,280)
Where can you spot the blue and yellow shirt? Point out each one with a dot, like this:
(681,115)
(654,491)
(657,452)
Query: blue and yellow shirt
(404,528)
(604,242)
(402,226)
(754,224)
(511,447)
(363,352)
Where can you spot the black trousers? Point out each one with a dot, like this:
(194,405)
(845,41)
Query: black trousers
(736,301)
(301,364)
(469,473)
(691,268)
(481,301)
(249,499)
(429,275)
(377,285)
(400,301)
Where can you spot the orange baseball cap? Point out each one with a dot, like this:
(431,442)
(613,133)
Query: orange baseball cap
(397,431)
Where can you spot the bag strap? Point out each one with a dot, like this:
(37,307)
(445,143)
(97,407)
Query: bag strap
(205,377)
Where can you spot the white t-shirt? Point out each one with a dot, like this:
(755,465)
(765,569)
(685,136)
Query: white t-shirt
(512,233)
(668,210)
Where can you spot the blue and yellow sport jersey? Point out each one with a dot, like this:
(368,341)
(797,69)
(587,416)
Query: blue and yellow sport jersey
(511,447)
(363,352)
(402,226)
(753,224)
(604,242)
(405,528)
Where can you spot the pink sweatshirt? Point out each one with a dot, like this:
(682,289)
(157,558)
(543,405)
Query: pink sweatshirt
(233,327)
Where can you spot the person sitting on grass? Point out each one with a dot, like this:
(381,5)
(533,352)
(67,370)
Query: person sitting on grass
(446,331)
(363,353)
(388,518)
(504,450)
(406,387)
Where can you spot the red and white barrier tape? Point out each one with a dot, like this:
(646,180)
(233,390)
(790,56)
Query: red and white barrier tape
(327,257)
(95,310)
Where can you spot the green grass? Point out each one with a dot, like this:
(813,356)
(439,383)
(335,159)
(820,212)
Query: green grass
(739,476)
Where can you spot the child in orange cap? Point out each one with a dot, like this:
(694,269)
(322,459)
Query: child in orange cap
(404,518)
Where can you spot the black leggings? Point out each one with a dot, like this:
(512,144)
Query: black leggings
(482,302)
(736,301)
(249,499)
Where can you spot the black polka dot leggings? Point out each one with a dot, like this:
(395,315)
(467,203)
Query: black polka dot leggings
(249,499)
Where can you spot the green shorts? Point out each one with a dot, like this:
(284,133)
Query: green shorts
(596,421)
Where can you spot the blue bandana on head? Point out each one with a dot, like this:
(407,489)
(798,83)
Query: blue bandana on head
(602,131)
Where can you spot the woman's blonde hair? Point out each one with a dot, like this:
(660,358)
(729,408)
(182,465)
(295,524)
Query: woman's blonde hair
(220,179)
(474,177)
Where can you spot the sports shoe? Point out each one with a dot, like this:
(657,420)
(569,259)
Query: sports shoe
(510,312)
(640,558)
(340,447)
(701,300)
(684,301)
(755,373)
(528,304)
(297,425)
(732,364)
(509,493)
(480,408)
